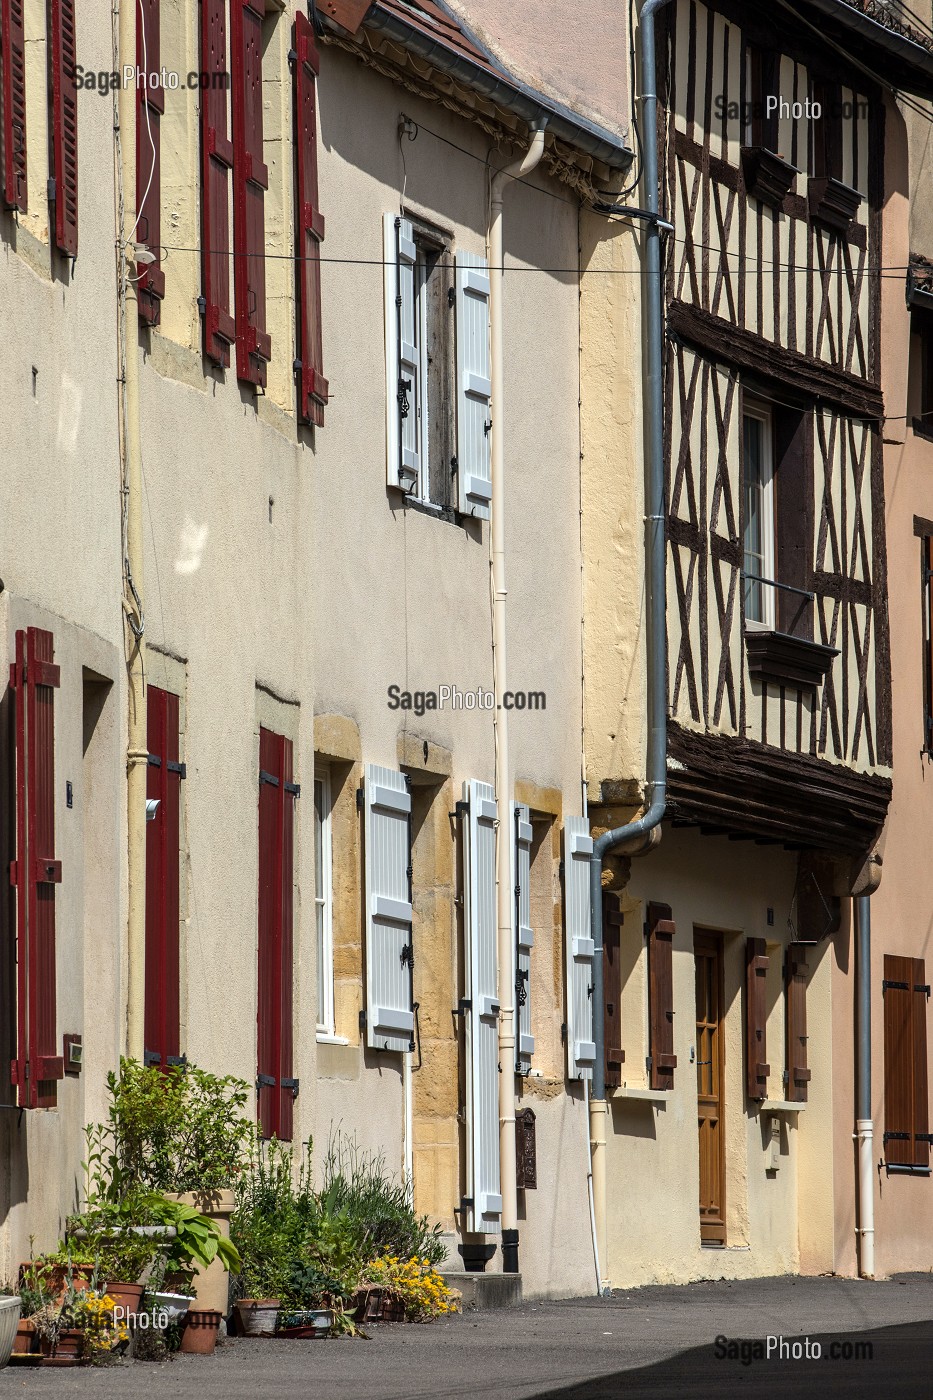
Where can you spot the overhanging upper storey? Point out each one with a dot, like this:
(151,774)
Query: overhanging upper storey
(429,50)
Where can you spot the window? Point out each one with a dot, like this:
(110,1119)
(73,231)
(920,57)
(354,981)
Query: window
(761,76)
(920,381)
(906,1121)
(323,898)
(276,1087)
(150,108)
(758,500)
(163,839)
(826,132)
(428,297)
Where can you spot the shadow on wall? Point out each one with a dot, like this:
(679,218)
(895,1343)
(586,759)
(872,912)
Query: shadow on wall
(890,1361)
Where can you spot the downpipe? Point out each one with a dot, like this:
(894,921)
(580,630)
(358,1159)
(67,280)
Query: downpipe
(656,607)
(864,1127)
(504,901)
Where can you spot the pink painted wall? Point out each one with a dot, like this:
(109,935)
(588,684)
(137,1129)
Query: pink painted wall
(577,53)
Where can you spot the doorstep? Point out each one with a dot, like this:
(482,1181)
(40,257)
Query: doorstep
(486,1292)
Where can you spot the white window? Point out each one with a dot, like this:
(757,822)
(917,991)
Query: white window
(758,498)
(437,392)
(323,898)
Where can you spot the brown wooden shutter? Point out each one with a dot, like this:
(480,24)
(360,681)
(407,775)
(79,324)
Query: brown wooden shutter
(793,484)
(34,679)
(312,386)
(216,164)
(613,920)
(250,182)
(64,124)
(276,1087)
(163,839)
(661,930)
(150,106)
(906,1088)
(13,77)
(756,1018)
(795,995)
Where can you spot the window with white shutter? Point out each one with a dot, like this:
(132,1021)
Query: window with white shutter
(390,1020)
(474,388)
(524,934)
(405,419)
(481,1021)
(581,1049)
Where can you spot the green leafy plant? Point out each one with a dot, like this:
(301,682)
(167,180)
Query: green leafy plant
(379,1206)
(310,1286)
(179,1129)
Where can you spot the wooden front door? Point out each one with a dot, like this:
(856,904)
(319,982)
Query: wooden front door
(708,954)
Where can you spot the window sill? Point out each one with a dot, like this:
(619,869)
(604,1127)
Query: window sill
(326,1038)
(832,203)
(786,660)
(768,176)
(641,1095)
(780,1106)
(903,1169)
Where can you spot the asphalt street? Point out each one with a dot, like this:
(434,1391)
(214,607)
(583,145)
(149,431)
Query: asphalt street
(650,1342)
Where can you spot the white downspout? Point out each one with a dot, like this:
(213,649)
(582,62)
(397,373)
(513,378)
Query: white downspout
(504,900)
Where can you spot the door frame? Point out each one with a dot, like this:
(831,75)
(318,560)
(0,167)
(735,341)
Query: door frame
(713,941)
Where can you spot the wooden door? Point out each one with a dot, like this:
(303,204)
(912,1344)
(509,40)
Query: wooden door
(709,1051)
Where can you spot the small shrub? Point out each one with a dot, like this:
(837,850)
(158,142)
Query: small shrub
(419,1288)
(378,1206)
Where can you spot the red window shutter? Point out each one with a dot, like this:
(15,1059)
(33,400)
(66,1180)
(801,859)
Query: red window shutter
(795,995)
(312,386)
(276,1086)
(65,124)
(613,920)
(163,835)
(661,930)
(250,182)
(756,1018)
(216,163)
(13,73)
(34,679)
(150,105)
(906,1088)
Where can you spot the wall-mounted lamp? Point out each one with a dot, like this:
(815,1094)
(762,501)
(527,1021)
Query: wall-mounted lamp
(152,807)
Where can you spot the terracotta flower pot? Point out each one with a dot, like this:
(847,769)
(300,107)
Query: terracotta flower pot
(368,1304)
(199,1337)
(66,1351)
(126,1295)
(24,1343)
(257,1317)
(393,1309)
(56,1279)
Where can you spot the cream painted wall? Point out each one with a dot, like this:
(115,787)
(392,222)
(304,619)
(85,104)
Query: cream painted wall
(775,1220)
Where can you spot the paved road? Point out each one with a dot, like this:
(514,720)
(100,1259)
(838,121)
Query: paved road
(653,1342)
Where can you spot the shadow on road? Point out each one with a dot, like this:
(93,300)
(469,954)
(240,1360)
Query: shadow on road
(896,1365)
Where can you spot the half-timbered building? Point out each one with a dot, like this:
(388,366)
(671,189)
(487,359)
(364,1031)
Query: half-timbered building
(728,946)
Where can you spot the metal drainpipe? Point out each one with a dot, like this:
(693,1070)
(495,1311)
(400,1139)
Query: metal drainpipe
(864,1128)
(137,757)
(656,581)
(505,904)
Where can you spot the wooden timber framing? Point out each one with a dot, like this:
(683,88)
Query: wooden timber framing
(764,300)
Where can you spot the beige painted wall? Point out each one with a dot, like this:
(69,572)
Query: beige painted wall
(902,921)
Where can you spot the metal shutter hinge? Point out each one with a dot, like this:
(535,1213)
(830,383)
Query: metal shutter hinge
(265,777)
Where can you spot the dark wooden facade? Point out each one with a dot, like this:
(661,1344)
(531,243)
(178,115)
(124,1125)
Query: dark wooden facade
(773,297)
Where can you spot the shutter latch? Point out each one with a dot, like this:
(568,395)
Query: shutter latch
(291,1084)
(404,407)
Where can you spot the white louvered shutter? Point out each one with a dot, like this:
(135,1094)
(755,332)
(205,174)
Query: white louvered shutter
(474,387)
(390,1020)
(524,934)
(403,356)
(578,847)
(481,1021)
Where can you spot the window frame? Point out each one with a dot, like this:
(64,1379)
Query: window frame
(323,876)
(762,413)
(430,240)
(926,605)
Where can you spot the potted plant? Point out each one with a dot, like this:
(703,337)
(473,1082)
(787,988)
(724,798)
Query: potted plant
(168,1292)
(10,1309)
(200,1328)
(33,1295)
(179,1133)
(91,1313)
